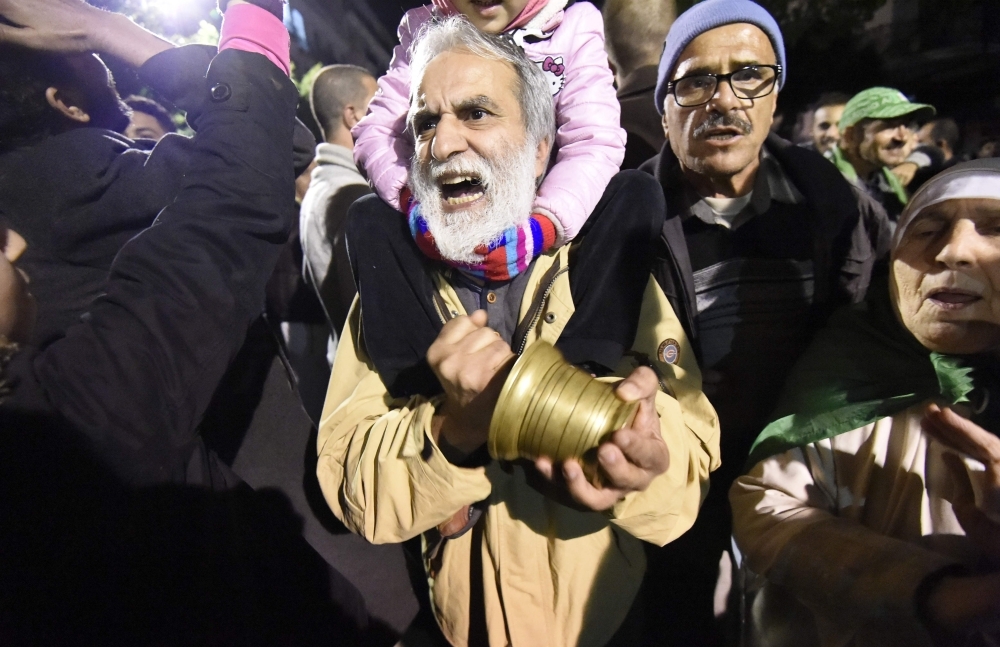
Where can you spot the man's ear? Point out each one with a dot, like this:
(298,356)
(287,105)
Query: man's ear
(542,156)
(848,136)
(350,116)
(666,128)
(66,104)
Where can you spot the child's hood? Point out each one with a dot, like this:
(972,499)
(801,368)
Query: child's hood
(538,15)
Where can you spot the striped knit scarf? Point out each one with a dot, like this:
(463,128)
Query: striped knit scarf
(502,259)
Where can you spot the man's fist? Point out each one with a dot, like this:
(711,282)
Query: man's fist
(471,361)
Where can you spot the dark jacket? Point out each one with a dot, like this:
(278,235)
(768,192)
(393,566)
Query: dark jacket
(89,557)
(79,196)
(850,230)
(640,119)
(136,375)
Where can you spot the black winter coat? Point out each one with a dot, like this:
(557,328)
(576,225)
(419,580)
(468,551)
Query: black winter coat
(89,556)
(850,230)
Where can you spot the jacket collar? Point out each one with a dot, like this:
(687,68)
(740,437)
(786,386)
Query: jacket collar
(547,286)
(640,81)
(773,178)
(335,155)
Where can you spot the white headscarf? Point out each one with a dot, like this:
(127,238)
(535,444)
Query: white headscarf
(975,179)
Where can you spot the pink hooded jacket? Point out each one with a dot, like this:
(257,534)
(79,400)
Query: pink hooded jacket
(569,47)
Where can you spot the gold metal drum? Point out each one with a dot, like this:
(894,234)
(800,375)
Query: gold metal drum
(550,408)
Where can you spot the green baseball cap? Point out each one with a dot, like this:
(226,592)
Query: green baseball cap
(882,103)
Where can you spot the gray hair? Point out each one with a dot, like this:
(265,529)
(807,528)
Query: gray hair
(456,33)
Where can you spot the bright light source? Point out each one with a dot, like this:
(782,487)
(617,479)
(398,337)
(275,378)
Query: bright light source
(168,7)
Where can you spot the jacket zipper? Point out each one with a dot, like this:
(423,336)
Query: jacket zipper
(538,311)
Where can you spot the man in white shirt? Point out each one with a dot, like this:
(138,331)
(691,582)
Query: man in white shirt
(339,99)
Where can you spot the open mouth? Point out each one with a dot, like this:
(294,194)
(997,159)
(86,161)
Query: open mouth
(486,4)
(457,190)
(722,134)
(953,298)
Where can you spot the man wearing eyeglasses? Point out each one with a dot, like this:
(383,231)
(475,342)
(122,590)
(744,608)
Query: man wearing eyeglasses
(762,240)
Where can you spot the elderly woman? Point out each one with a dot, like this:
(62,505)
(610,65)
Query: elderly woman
(870,511)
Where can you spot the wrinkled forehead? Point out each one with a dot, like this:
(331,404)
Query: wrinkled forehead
(458,74)
(724,49)
(829,112)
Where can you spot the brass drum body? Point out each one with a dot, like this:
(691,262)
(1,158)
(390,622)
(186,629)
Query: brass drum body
(550,408)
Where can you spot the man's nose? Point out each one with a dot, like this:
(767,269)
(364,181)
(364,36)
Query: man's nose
(959,249)
(448,139)
(725,99)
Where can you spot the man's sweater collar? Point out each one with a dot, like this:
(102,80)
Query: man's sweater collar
(770,184)
(335,155)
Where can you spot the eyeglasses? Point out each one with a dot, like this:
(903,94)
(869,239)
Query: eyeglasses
(751,82)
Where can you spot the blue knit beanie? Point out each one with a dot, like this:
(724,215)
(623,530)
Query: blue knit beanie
(708,15)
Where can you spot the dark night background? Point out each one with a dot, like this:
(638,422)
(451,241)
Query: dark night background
(943,52)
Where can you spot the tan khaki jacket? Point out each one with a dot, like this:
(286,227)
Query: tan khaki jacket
(550,575)
(845,530)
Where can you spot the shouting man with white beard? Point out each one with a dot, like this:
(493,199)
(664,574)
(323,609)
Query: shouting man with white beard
(516,552)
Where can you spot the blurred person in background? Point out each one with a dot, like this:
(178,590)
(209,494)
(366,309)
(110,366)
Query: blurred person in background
(634,31)
(944,135)
(877,134)
(824,126)
(338,99)
(935,145)
(149,119)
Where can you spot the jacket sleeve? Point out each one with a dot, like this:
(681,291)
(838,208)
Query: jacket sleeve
(177,75)
(785,520)
(379,469)
(590,143)
(870,238)
(690,428)
(137,374)
(382,147)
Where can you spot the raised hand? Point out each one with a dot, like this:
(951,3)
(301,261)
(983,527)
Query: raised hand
(628,461)
(73,26)
(982,522)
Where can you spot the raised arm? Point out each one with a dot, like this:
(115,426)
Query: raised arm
(382,147)
(72,26)
(135,377)
(590,143)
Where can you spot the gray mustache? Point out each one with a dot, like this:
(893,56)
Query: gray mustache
(718,120)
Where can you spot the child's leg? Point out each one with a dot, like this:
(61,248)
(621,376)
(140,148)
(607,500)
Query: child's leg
(609,270)
(399,319)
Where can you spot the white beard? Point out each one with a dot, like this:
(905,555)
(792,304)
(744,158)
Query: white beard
(509,184)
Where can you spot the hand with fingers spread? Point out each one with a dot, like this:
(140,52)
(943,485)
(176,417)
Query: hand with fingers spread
(981,523)
(471,361)
(628,461)
(75,27)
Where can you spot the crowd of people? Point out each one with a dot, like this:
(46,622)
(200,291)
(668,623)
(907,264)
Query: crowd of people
(809,332)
